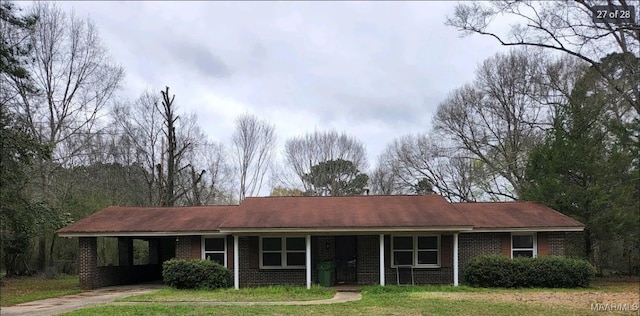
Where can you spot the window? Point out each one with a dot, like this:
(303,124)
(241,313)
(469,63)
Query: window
(523,245)
(214,249)
(418,251)
(282,252)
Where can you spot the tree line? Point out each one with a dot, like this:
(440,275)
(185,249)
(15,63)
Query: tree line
(547,121)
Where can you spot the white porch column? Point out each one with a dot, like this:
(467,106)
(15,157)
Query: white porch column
(236,263)
(455,259)
(382,259)
(308,260)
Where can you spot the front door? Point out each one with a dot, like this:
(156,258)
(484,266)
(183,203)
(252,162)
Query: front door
(346,259)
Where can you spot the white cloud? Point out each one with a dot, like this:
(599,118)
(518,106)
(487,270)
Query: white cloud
(376,70)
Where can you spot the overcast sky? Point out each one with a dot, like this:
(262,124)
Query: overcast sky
(376,70)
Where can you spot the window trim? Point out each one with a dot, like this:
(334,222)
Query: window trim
(535,243)
(283,253)
(203,252)
(414,251)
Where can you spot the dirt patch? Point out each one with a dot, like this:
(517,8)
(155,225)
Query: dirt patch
(566,299)
(604,291)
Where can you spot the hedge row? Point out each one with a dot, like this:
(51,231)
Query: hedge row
(549,272)
(195,274)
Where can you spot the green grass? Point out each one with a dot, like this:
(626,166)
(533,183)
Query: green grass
(258,294)
(27,289)
(389,300)
(371,304)
(376,300)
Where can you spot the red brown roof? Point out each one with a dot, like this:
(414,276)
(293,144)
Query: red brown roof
(116,219)
(493,215)
(322,213)
(346,212)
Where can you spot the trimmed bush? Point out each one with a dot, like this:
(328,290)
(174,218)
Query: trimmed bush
(195,274)
(549,272)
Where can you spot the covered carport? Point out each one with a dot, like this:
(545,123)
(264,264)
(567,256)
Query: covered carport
(172,232)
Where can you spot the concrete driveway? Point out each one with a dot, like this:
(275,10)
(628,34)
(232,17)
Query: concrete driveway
(57,305)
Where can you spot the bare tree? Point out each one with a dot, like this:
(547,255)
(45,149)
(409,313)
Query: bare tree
(173,154)
(411,161)
(253,143)
(140,140)
(382,179)
(72,79)
(304,152)
(208,179)
(567,27)
(499,118)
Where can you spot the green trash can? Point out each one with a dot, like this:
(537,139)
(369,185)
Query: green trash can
(325,273)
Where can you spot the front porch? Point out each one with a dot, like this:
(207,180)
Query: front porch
(359,260)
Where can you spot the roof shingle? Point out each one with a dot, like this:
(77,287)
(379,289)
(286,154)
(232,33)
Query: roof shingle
(151,219)
(357,212)
(492,215)
(346,212)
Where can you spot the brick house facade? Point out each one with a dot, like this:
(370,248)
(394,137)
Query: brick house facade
(274,241)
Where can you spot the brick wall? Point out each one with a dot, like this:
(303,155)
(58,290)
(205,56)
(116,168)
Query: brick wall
(475,244)
(252,275)
(555,243)
(183,247)
(87,261)
(368,260)
(471,245)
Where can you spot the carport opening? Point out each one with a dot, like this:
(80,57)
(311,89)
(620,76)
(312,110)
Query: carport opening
(109,255)
(107,251)
(140,252)
(131,260)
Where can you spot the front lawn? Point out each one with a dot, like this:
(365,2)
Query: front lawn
(258,294)
(27,289)
(428,300)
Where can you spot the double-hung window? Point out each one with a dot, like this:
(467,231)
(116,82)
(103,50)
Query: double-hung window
(214,249)
(282,252)
(523,245)
(417,251)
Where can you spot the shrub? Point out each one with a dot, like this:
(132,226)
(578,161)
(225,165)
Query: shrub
(195,274)
(489,271)
(550,272)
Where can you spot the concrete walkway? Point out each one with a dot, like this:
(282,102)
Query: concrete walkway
(340,297)
(107,295)
(67,303)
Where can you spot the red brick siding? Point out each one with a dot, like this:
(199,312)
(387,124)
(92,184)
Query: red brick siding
(230,251)
(368,259)
(183,247)
(543,245)
(555,241)
(471,245)
(446,254)
(506,244)
(87,261)
(196,250)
